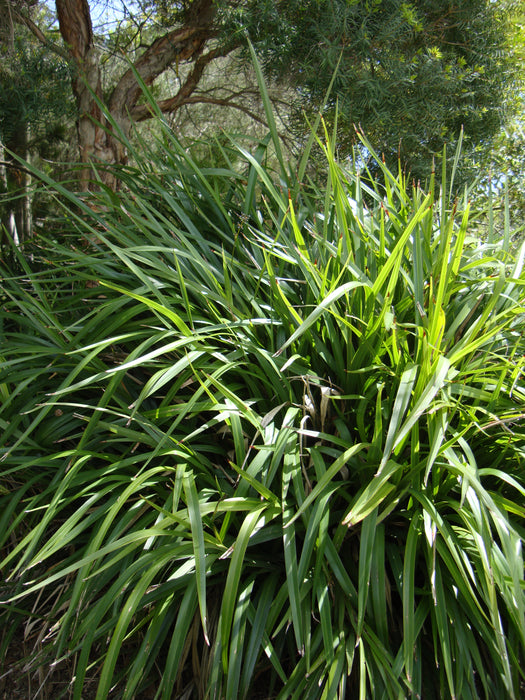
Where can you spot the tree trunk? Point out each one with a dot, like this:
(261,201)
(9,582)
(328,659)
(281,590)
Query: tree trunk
(98,143)
(7,218)
(7,28)
(17,218)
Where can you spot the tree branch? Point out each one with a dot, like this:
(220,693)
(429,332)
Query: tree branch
(39,34)
(74,20)
(172,104)
(222,102)
(185,43)
(201,99)
(14,166)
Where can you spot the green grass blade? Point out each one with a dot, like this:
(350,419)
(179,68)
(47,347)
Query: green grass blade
(199,547)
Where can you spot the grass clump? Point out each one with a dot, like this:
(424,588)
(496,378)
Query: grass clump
(266,440)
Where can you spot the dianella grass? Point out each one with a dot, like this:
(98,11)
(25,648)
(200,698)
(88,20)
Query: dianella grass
(265,438)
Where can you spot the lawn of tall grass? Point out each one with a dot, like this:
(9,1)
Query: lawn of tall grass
(265,438)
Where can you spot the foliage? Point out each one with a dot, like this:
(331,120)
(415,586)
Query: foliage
(501,168)
(35,112)
(509,160)
(410,74)
(263,439)
(35,92)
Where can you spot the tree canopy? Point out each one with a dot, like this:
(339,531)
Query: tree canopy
(410,74)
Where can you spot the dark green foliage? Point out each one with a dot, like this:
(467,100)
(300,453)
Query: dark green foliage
(36,113)
(34,92)
(410,74)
